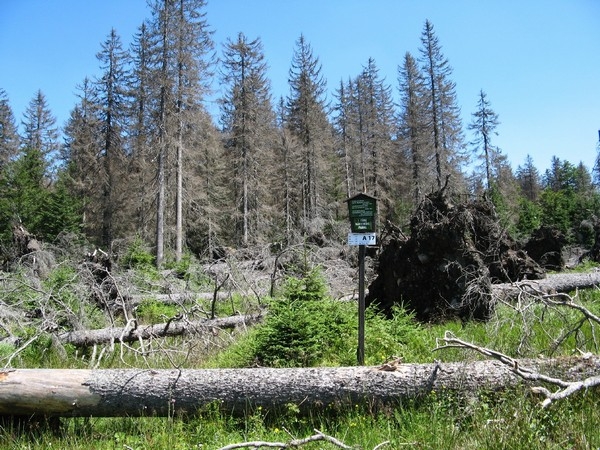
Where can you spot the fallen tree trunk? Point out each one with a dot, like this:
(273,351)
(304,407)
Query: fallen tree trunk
(553,283)
(136,392)
(81,338)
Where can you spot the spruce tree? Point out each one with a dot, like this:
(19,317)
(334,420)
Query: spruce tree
(344,123)
(376,128)
(529,179)
(83,142)
(484,123)
(446,141)
(412,126)
(41,132)
(113,103)
(308,123)
(9,137)
(181,51)
(143,132)
(249,126)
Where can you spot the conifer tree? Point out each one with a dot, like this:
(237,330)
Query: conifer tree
(249,126)
(182,57)
(529,179)
(308,123)
(83,142)
(41,132)
(113,103)
(344,122)
(412,126)
(444,121)
(376,128)
(143,132)
(9,136)
(27,191)
(286,197)
(484,123)
(365,124)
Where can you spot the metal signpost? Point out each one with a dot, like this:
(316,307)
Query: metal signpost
(361,211)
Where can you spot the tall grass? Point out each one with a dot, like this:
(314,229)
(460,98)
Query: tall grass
(509,420)
(443,420)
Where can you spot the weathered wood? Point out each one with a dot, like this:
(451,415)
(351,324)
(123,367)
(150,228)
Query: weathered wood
(553,283)
(135,392)
(83,338)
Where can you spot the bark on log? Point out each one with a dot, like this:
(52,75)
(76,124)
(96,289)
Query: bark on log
(553,283)
(134,392)
(83,338)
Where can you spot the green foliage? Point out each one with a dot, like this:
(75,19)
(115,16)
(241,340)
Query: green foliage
(557,208)
(388,338)
(182,267)
(137,256)
(304,327)
(300,333)
(309,287)
(25,195)
(152,311)
(62,212)
(530,217)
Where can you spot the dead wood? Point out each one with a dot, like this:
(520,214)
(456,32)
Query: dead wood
(553,283)
(135,392)
(446,267)
(565,387)
(175,327)
(296,443)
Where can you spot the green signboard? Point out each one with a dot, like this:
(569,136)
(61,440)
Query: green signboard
(361,210)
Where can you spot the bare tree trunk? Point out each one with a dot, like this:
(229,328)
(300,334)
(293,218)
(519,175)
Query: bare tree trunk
(135,392)
(558,282)
(174,327)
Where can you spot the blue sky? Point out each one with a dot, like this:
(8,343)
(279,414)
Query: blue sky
(537,60)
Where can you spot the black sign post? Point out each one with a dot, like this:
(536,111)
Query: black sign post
(361,211)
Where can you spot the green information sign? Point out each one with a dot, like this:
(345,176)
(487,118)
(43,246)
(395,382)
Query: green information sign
(361,210)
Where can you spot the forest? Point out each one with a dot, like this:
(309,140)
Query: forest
(141,156)
(150,234)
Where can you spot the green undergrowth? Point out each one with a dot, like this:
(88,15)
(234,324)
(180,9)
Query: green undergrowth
(443,420)
(305,327)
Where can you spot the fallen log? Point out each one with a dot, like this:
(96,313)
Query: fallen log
(553,283)
(137,392)
(82,338)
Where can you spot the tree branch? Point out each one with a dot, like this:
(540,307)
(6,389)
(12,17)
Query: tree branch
(295,443)
(566,388)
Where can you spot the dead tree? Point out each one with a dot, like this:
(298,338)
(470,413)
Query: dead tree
(134,332)
(135,392)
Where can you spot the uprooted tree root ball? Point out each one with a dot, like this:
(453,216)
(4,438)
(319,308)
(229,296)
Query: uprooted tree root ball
(446,267)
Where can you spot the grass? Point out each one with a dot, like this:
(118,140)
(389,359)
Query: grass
(442,420)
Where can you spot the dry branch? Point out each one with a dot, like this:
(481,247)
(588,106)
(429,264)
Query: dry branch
(135,392)
(533,374)
(294,443)
(175,327)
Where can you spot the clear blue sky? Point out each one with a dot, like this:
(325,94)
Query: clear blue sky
(537,60)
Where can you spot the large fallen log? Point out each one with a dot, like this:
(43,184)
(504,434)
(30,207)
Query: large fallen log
(136,392)
(553,283)
(81,338)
